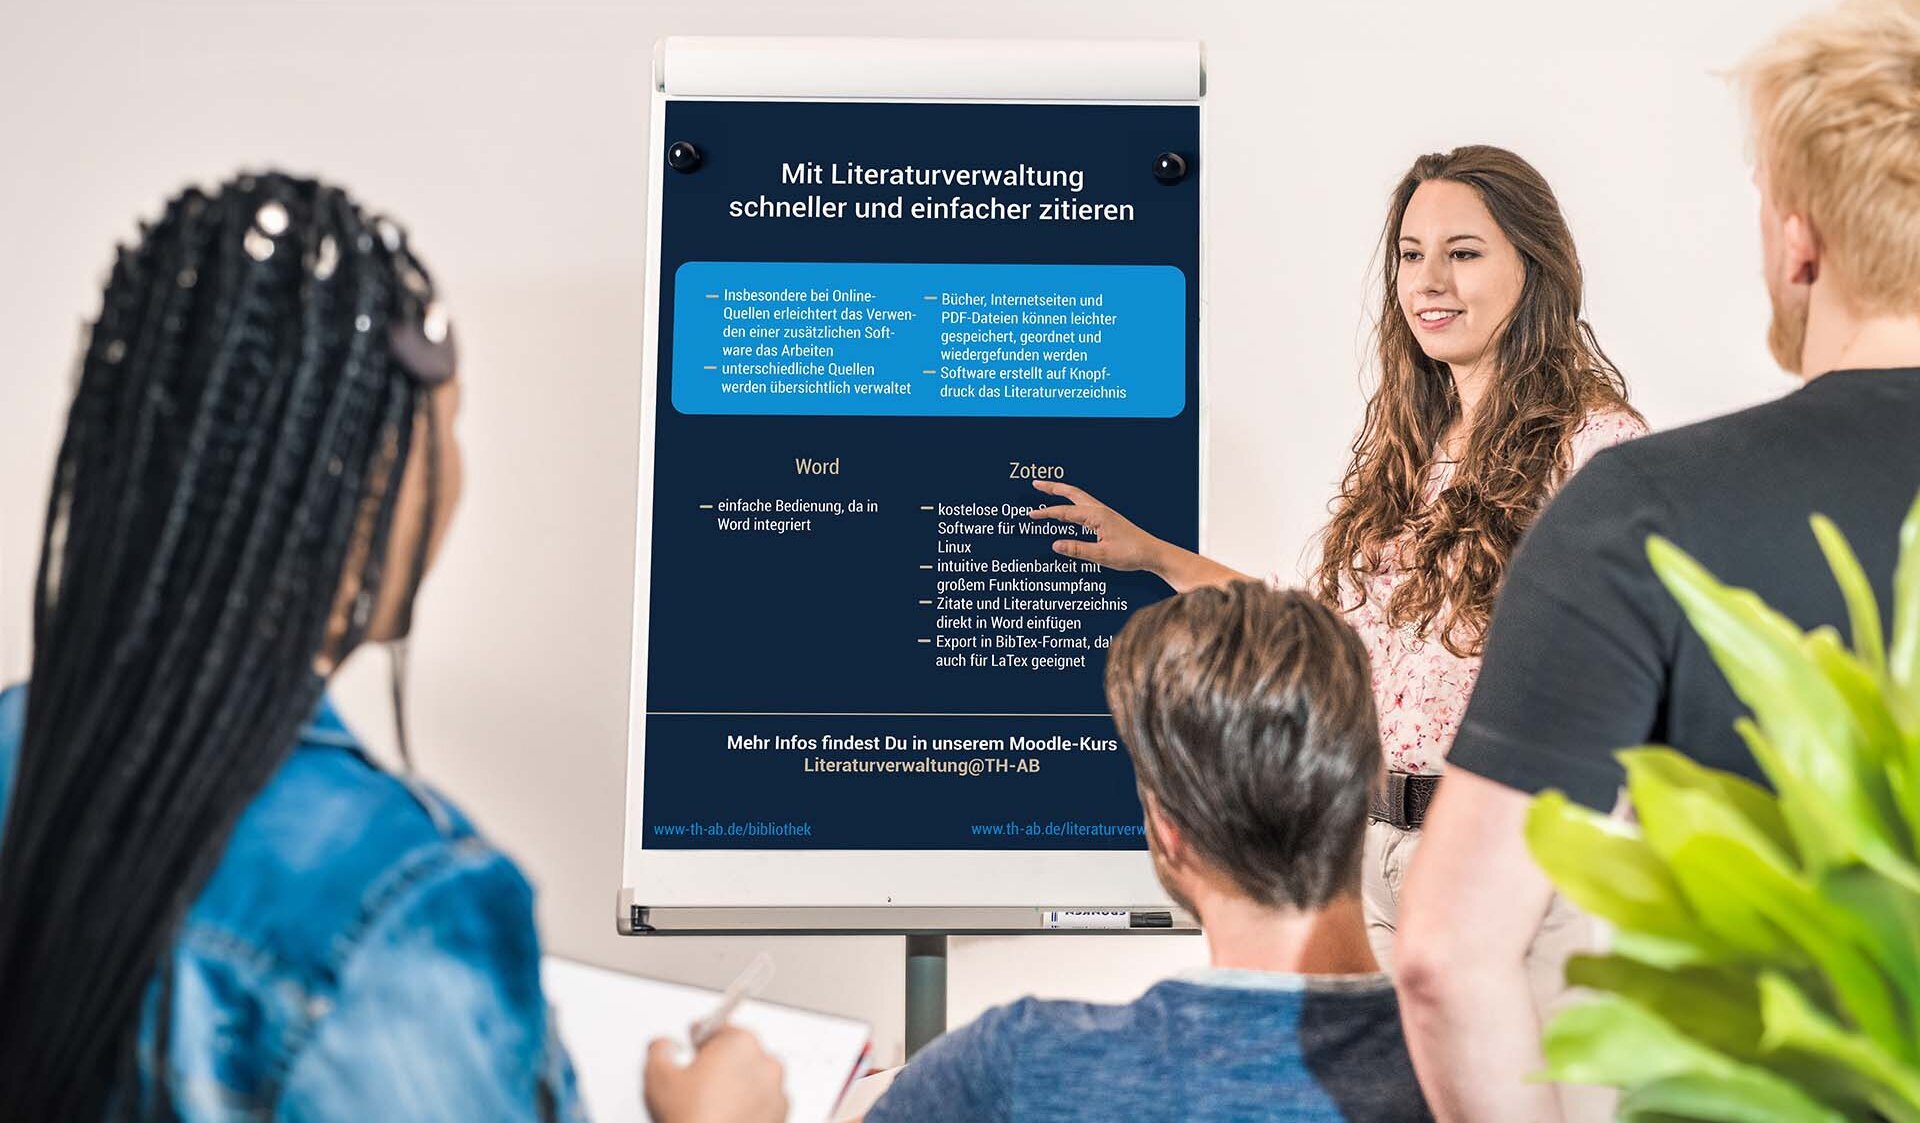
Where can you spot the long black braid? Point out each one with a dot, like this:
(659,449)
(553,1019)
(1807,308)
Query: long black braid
(231,464)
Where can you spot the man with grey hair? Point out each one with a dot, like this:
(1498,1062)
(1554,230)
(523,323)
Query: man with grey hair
(1250,720)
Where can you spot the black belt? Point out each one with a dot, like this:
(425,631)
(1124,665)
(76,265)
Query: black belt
(1403,800)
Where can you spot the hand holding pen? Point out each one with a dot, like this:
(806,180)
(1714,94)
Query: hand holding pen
(730,1078)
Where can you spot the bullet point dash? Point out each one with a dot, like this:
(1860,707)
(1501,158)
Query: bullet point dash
(706,506)
(926,567)
(923,641)
(926,506)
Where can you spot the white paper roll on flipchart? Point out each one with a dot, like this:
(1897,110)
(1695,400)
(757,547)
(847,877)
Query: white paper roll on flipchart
(947,69)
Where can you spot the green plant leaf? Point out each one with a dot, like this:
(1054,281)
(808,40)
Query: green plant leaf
(1884,776)
(1603,866)
(1676,797)
(1817,934)
(1673,814)
(1766,964)
(1613,1042)
(1863,612)
(1903,663)
(1886,919)
(1760,653)
(1816,851)
(1862,693)
(1750,1096)
(1904,778)
(1848,1066)
(1816,741)
(1716,1006)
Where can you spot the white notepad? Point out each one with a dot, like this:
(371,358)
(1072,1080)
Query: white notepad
(607,1019)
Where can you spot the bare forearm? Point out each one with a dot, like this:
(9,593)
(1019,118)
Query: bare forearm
(1475,1039)
(1472,903)
(1186,570)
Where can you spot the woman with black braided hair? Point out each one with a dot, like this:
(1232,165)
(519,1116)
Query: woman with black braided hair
(213,905)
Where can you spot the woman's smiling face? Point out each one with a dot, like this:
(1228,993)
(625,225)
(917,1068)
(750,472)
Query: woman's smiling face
(1459,276)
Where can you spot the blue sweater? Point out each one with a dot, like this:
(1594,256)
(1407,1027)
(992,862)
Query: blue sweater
(1211,1047)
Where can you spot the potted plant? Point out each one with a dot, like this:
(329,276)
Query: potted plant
(1765,962)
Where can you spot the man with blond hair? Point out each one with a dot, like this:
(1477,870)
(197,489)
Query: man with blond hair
(1588,654)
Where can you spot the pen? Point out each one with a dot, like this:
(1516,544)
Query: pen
(1106,918)
(744,986)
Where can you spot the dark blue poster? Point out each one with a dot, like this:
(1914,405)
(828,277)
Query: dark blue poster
(879,324)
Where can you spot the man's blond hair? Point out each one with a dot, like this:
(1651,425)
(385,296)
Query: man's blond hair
(1836,113)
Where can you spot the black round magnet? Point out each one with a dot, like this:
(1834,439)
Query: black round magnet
(1170,167)
(682,156)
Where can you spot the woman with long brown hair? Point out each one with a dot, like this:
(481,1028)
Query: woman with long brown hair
(1492,391)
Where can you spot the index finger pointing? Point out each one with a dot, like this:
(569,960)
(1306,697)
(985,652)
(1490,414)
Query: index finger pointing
(1065,490)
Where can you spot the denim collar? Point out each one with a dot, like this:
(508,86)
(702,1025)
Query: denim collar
(326,730)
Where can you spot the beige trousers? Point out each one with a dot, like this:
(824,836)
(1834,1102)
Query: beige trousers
(1565,932)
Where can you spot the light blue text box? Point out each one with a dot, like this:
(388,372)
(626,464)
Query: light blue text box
(892,339)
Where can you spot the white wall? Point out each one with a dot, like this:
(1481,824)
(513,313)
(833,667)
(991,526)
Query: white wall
(510,135)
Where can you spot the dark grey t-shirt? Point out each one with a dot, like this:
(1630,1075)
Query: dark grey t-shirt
(1589,654)
(1212,1047)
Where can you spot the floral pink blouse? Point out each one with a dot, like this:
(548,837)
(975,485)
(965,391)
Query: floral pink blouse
(1419,687)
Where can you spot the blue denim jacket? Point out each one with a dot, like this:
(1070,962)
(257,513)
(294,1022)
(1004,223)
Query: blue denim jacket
(359,954)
